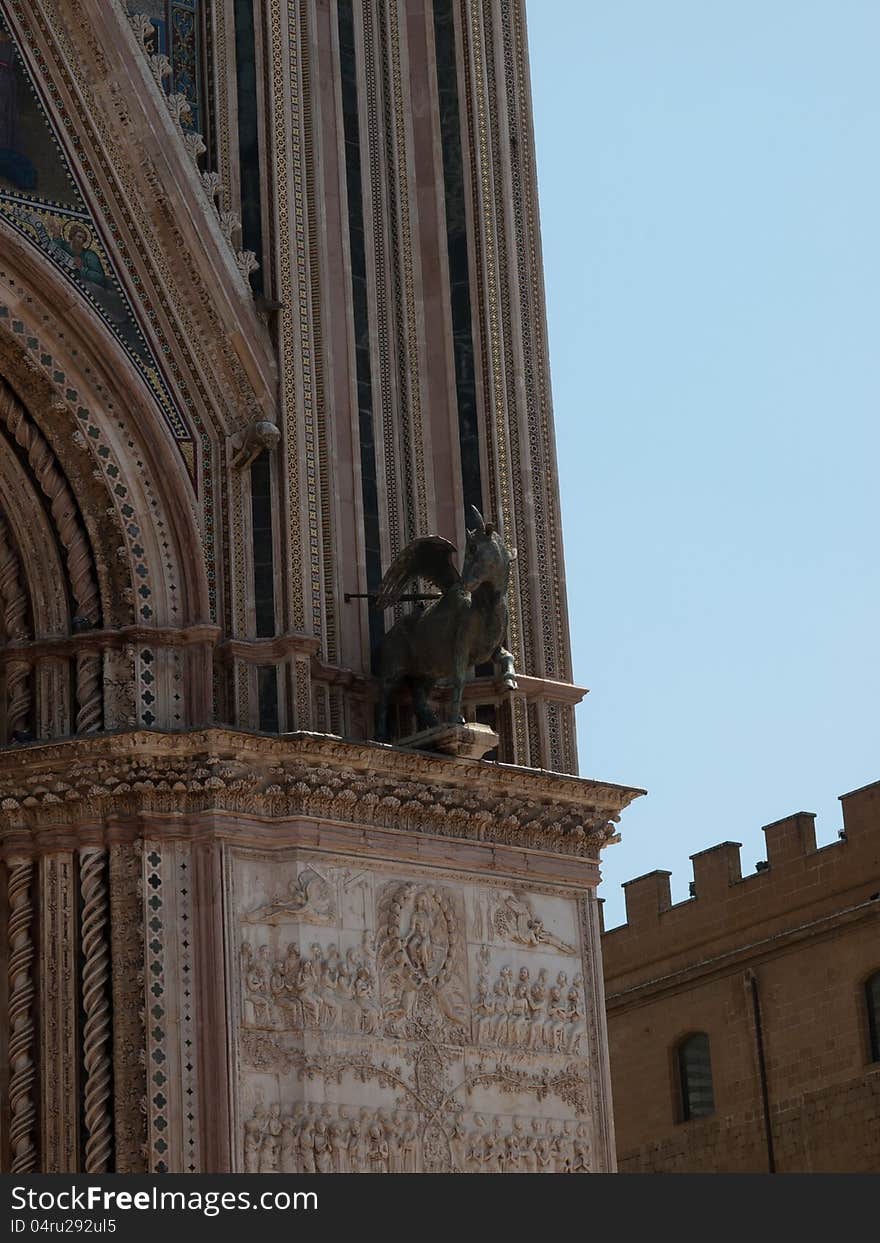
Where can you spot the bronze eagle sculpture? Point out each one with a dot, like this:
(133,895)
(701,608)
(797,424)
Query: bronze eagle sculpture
(465,626)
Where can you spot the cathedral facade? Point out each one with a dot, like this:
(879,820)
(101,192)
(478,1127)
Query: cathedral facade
(271,308)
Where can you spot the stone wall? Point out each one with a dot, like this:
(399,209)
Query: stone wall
(802,935)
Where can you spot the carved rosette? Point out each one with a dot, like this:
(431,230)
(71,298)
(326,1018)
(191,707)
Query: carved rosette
(22,1035)
(96,1030)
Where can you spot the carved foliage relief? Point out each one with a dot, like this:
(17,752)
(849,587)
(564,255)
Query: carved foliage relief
(385,1021)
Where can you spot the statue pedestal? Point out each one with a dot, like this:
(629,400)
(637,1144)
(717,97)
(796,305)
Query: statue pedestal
(470,741)
(302,954)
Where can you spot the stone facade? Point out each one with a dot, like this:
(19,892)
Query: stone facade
(301,954)
(271,307)
(772,967)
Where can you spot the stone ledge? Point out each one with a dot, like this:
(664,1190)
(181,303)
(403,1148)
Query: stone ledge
(88,779)
(469,741)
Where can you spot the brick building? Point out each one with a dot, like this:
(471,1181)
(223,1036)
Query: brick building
(743,1022)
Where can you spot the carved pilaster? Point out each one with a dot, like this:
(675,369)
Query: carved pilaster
(58,1013)
(96,1029)
(592,944)
(53,697)
(129,1081)
(22,1035)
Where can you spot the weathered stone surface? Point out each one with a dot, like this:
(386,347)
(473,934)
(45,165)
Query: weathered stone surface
(470,741)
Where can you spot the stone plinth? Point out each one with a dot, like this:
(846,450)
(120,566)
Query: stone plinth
(470,741)
(304,953)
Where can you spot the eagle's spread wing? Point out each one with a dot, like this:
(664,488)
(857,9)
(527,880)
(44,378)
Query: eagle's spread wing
(430,557)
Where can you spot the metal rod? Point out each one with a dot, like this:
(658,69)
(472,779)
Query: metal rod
(371,595)
(762,1070)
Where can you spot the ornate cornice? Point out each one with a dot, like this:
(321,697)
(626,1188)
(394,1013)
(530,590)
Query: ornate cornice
(90,780)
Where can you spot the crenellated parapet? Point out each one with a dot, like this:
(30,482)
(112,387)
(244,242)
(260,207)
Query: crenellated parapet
(661,938)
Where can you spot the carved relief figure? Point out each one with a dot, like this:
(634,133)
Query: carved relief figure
(316,989)
(422,965)
(253,1139)
(270,1147)
(409,1145)
(427,939)
(339,1135)
(323,1148)
(514,919)
(323,1140)
(526,1014)
(310,899)
(378,1150)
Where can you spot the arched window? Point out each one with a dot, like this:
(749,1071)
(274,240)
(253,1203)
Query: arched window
(872,1002)
(695,1077)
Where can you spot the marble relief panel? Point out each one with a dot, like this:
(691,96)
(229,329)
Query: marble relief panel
(392,1021)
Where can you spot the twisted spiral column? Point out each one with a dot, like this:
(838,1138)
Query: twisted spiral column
(96,1029)
(22,1068)
(89,696)
(64,510)
(13,609)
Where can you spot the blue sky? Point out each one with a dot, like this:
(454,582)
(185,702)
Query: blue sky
(710,203)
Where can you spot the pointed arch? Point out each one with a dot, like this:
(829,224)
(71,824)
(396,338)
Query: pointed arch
(103,519)
(73,377)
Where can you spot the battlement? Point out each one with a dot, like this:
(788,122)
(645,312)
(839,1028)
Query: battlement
(724,904)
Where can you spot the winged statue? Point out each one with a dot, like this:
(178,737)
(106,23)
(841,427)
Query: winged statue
(465,626)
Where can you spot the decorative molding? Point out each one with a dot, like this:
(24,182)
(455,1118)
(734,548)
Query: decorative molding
(306,774)
(59,1003)
(180,112)
(128,984)
(65,512)
(111,640)
(96,1029)
(158,1071)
